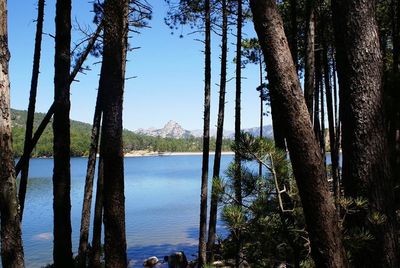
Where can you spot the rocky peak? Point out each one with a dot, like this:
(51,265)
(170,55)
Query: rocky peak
(170,130)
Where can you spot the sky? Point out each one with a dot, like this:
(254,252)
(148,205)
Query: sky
(168,71)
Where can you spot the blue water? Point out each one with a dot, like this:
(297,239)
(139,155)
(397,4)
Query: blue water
(162,196)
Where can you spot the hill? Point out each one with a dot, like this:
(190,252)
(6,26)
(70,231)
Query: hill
(80,139)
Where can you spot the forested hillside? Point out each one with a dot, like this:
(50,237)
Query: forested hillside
(80,139)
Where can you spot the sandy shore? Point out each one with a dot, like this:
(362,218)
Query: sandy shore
(148,153)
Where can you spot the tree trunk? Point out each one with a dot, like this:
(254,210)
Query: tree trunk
(220,129)
(331,126)
(260,166)
(206,138)
(87,199)
(394,111)
(12,254)
(238,172)
(293,32)
(366,168)
(317,126)
(308,168)
(62,251)
(323,145)
(94,258)
(31,107)
(309,69)
(112,79)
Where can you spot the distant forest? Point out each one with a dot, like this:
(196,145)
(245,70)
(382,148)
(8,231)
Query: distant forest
(80,139)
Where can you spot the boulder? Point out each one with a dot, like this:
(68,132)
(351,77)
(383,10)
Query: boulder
(150,262)
(176,260)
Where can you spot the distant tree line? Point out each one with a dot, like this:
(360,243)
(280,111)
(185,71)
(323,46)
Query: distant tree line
(80,139)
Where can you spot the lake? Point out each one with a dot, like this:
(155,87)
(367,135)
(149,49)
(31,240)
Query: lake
(162,206)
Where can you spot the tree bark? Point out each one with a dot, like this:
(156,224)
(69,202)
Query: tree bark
(319,211)
(394,110)
(309,69)
(62,251)
(112,79)
(317,126)
(220,130)
(206,138)
(238,172)
(31,107)
(94,258)
(12,254)
(293,32)
(331,126)
(366,168)
(87,199)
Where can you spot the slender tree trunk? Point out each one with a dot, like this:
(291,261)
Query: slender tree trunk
(323,145)
(87,199)
(94,258)
(42,126)
(31,106)
(366,169)
(331,124)
(293,32)
(319,211)
(62,251)
(320,36)
(317,126)
(220,129)
(309,69)
(12,254)
(206,138)
(277,125)
(394,111)
(260,168)
(112,80)
(238,172)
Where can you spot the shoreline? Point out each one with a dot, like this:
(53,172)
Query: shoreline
(149,153)
(145,154)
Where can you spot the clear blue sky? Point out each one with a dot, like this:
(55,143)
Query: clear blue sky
(169,70)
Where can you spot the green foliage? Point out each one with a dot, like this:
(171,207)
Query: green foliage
(269,235)
(80,139)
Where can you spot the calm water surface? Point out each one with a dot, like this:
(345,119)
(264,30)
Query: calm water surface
(162,206)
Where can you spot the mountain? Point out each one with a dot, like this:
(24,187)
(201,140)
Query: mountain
(255,131)
(171,130)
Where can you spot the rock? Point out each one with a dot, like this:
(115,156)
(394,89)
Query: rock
(150,262)
(218,264)
(176,260)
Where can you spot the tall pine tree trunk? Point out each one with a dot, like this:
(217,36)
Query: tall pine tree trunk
(293,31)
(31,106)
(62,251)
(309,69)
(238,168)
(220,130)
(331,127)
(94,258)
(366,168)
(87,199)
(319,210)
(317,126)
(394,111)
(112,80)
(12,254)
(206,138)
